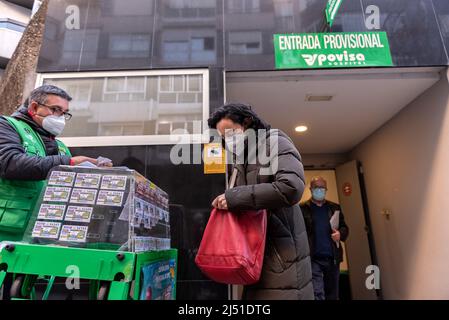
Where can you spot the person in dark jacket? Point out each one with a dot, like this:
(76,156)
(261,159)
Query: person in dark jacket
(325,246)
(286,271)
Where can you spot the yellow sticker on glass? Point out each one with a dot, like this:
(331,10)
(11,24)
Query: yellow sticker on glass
(214,158)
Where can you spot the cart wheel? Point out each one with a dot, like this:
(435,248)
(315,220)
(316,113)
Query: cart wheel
(16,287)
(103,291)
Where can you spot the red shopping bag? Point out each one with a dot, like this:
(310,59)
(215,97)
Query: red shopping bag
(232,247)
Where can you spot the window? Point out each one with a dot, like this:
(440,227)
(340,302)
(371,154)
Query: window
(131,108)
(76,41)
(284,15)
(243,6)
(190,9)
(245,42)
(129,46)
(283,8)
(203,49)
(124,89)
(176,51)
(127,8)
(181,47)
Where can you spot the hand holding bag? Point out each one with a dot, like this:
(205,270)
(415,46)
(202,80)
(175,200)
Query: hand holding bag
(233,244)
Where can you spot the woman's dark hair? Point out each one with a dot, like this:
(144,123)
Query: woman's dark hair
(239,113)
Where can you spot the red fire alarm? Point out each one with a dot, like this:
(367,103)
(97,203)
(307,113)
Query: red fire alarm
(347,189)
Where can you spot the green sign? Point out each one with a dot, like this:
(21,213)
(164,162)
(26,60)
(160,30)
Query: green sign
(332,50)
(331,10)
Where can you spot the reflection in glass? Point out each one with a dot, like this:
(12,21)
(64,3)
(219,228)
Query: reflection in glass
(74,40)
(180,46)
(133,105)
(245,42)
(243,6)
(129,45)
(189,8)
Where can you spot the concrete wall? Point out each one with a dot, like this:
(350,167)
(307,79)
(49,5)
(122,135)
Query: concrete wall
(406,165)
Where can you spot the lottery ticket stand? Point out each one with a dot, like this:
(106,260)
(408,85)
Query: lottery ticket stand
(108,226)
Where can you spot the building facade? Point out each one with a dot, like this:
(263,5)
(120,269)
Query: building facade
(139,69)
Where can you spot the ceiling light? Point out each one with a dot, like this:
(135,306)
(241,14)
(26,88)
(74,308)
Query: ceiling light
(301,129)
(318,98)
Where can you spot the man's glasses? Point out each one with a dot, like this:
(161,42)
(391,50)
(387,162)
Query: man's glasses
(55,110)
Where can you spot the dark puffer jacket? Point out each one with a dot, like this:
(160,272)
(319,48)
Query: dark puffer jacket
(286,271)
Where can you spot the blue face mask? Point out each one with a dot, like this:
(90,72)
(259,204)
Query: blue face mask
(319,194)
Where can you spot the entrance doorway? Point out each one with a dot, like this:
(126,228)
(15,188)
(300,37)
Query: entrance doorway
(338,109)
(331,195)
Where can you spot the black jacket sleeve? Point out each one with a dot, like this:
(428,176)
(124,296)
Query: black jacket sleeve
(285,191)
(15,164)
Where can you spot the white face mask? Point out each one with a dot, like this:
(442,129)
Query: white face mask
(54,124)
(235,143)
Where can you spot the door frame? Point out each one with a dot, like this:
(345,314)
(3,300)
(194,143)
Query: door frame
(369,231)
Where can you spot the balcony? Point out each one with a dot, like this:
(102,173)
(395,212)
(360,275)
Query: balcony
(10,34)
(14,17)
(23,3)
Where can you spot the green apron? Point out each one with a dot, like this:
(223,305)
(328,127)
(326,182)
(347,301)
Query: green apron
(18,197)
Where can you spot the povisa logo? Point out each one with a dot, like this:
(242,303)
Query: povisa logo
(344,58)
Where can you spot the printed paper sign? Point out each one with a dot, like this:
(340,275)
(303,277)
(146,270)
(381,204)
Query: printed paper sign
(137,220)
(87,180)
(51,212)
(152,211)
(61,178)
(159,280)
(159,214)
(146,215)
(112,182)
(139,205)
(141,244)
(214,158)
(110,198)
(44,229)
(79,214)
(145,244)
(153,222)
(73,233)
(84,196)
(57,194)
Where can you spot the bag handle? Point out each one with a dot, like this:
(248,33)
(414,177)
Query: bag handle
(233,178)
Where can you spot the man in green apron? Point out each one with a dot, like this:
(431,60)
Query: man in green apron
(28,151)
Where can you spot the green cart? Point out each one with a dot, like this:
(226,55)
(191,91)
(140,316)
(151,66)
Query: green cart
(112,275)
(107,228)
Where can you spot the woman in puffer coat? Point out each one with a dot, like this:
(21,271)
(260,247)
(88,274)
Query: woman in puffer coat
(286,271)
